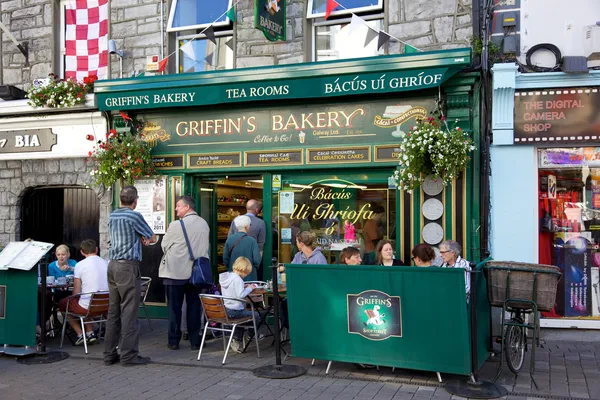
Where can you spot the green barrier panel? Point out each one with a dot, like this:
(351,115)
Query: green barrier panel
(19,315)
(425,325)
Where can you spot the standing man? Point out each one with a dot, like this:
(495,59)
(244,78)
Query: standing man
(176,270)
(257,228)
(127,230)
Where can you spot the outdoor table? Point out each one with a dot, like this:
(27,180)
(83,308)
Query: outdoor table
(267,308)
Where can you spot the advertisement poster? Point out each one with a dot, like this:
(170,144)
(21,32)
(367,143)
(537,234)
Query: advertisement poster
(286,202)
(374,315)
(152,202)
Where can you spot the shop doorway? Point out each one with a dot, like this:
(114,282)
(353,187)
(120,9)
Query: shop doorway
(60,215)
(220,200)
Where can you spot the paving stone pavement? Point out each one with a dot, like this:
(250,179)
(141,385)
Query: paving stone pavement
(564,370)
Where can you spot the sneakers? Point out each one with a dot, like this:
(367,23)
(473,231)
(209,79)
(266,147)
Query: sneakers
(79,341)
(237,346)
(91,338)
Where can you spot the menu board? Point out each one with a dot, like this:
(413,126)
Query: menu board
(152,202)
(23,255)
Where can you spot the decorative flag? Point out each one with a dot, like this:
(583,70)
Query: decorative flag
(188,49)
(209,59)
(408,49)
(371,35)
(229,43)
(86,39)
(331,5)
(162,64)
(231,14)
(355,22)
(383,39)
(210,34)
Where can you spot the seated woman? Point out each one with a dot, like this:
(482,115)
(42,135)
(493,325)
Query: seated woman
(423,255)
(63,265)
(384,254)
(309,252)
(350,256)
(450,251)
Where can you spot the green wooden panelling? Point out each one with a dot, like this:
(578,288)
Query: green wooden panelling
(267,216)
(17,328)
(435,322)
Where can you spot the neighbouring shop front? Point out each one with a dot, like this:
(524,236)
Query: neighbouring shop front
(546,183)
(316,142)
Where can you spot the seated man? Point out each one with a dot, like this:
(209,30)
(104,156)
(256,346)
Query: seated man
(90,276)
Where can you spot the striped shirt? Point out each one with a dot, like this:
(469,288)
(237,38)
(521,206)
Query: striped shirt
(125,228)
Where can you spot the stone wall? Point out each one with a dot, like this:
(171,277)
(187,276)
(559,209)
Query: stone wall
(29,21)
(18,176)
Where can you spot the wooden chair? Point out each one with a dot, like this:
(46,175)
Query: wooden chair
(96,313)
(146,281)
(214,311)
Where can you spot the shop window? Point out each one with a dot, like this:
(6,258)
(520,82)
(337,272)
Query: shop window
(340,212)
(316,8)
(569,227)
(207,55)
(197,14)
(332,41)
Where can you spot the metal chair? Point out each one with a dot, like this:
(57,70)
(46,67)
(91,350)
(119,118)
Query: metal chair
(214,311)
(96,313)
(146,281)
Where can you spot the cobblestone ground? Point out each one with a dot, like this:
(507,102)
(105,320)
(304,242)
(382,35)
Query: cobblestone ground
(563,370)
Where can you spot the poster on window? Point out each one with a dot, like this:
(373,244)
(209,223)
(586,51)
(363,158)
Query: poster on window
(152,202)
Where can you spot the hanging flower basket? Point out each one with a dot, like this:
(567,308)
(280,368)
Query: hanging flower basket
(122,156)
(60,93)
(432,148)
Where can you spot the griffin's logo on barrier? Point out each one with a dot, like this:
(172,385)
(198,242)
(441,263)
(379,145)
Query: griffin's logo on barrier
(374,315)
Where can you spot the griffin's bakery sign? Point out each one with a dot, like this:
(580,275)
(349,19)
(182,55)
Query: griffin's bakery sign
(374,315)
(269,18)
(557,116)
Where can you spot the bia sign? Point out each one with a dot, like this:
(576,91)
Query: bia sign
(269,17)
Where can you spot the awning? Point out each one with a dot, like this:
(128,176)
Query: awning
(382,74)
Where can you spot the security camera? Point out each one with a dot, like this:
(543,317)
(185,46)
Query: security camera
(112,48)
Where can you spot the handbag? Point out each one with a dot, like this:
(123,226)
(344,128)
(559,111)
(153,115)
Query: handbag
(201,271)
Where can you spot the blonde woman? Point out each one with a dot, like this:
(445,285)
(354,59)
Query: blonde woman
(63,265)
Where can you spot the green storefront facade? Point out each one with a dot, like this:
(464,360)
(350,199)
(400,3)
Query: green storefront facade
(316,142)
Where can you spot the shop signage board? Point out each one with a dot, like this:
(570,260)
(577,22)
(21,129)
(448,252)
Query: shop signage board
(557,116)
(276,136)
(569,157)
(26,141)
(152,202)
(374,315)
(168,162)
(387,153)
(269,18)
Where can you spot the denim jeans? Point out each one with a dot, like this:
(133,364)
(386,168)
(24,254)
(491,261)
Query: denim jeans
(175,299)
(237,335)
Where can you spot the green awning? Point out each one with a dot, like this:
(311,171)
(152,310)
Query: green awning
(382,74)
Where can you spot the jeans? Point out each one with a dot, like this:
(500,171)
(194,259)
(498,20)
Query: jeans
(122,326)
(175,296)
(238,333)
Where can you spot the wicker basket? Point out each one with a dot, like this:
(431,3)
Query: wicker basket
(521,284)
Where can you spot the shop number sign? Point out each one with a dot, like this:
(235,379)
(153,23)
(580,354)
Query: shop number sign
(374,315)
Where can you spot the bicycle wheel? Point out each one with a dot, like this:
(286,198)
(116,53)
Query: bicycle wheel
(514,347)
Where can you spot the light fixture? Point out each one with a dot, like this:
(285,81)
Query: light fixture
(296,185)
(112,49)
(342,186)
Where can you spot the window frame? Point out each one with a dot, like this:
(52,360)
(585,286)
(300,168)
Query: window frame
(315,24)
(62,37)
(350,11)
(218,34)
(170,27)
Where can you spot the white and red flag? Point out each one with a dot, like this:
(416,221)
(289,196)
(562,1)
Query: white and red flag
(86,39)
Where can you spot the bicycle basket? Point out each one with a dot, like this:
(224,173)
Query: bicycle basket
(522,276)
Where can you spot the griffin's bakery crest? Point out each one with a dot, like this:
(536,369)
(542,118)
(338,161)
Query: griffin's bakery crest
(374,315)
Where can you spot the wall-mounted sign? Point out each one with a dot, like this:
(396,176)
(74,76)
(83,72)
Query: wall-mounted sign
(269,18)
(168,162)
(273,158)
(26,141)
(374,315)
(2,302)
(387,153)
(275,129)
(215,160)
(152,202)
(343,155)
(557,116)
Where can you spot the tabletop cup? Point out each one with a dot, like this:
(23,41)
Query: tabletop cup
(49,280)
(61,280)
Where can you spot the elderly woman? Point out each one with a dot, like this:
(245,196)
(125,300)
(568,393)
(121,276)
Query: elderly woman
(423,255)
(240,244)
(450,252)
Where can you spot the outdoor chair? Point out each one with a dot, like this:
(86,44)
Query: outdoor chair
(214,311)
(96,313)
(146,281)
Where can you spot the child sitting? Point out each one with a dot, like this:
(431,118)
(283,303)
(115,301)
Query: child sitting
(232,285)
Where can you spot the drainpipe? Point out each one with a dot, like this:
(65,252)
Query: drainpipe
(162,30)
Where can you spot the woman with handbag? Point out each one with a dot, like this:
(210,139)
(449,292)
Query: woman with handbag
(240,244)
(185,242)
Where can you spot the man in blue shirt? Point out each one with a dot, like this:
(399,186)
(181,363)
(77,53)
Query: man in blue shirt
(127,230)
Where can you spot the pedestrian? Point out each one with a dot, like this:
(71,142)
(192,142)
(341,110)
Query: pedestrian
(128,231)
(241,244)
(258,230)
(176,270)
